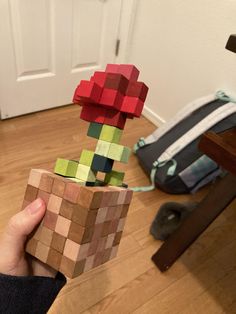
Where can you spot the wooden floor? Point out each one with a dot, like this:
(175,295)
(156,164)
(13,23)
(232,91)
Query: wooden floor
(202,281)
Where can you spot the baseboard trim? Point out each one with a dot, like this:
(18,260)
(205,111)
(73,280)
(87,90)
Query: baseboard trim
(152,116)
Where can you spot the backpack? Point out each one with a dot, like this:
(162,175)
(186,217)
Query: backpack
(170,155)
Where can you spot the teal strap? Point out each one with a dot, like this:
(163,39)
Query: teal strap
(147,188)
(171,170)
(222,96)
(140,143)
(157,164)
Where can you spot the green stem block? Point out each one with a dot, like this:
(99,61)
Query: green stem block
(66,168)
(114,178)
(86,157)
(102,148)
(94,129)
(119,153)
(85,173)
(110,134)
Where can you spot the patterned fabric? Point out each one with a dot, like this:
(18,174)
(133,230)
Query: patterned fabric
(202,171)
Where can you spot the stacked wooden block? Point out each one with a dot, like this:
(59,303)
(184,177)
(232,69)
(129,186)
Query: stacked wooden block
(108,150)
(85,216)
(82,226)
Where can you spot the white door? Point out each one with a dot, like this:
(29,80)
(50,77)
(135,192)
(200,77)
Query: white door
(48,46)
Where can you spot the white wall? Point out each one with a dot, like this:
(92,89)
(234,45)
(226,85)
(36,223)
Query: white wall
(179,47)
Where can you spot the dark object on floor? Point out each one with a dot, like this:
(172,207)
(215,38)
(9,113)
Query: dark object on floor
(169,218)
(231,43)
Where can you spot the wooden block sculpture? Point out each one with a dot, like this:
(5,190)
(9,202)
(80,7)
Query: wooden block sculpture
(85,217)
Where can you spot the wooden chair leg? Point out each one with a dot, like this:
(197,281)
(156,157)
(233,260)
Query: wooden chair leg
(221,195)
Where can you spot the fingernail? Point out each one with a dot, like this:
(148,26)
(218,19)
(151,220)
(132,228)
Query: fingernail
(34,207)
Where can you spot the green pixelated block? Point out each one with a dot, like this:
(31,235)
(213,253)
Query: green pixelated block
(61,166)
(72,168)
(83,183)
(85,173)
(66,168)
(99,183)
(114,178)
(110,134)
(119,153)
(86,157)
(102,148)
(126,154)
(80,182)
(94,129)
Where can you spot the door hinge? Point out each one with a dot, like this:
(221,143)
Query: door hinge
(117,47)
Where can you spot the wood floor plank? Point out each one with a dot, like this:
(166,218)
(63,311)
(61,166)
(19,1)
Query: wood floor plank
(181,292)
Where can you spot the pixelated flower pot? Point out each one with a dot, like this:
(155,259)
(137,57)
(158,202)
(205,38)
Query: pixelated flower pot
(83,225)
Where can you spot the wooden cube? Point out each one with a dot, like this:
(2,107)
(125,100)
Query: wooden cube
(82,227)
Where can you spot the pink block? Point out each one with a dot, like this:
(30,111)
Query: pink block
(111,98)
(87,91)
(99,78)
(115,118)
(137,89)
(112,68)
(93,113)
(132,105)
(129,71)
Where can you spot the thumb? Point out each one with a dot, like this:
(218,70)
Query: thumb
(22,224)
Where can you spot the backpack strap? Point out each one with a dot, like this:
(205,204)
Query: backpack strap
(222,96)
(180,116)
(157,164)
(201,127)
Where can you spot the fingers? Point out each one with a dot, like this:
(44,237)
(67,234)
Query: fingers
(22,224)
(12,242)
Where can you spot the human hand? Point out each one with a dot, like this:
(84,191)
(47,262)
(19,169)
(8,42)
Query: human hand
(13,259)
